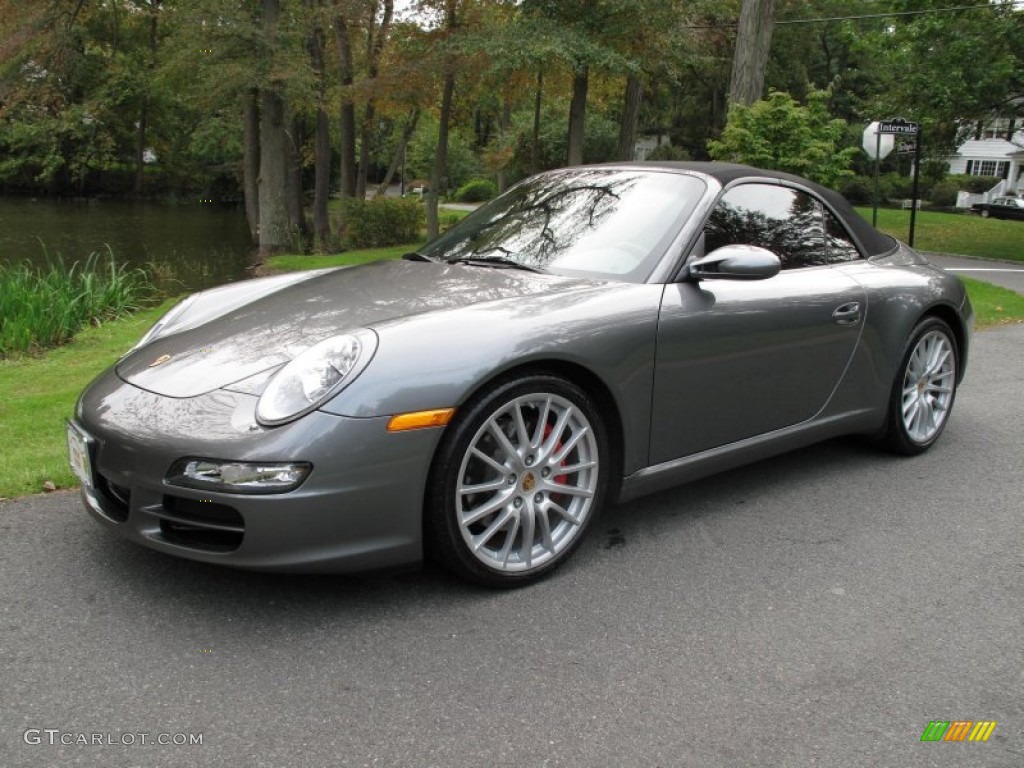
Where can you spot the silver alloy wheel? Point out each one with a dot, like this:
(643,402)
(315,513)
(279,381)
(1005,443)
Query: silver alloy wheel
(928,386)
(527,482)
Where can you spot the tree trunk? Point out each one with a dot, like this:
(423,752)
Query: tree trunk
(348,110)
(535,144)
(396,158)
(251,162)
(439,173)
(504,125)
(143,127)
(296,215)
(140,148)
(577,113)
(273,182)
(368,127)
(273,179)
(630,117)
(322,145)
(376,39)
(753,43)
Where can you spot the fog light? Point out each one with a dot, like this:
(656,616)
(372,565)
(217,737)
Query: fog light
(239,477)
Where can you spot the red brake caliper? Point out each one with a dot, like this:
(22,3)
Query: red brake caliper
(558,478)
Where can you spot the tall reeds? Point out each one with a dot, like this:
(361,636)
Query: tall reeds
(42,308)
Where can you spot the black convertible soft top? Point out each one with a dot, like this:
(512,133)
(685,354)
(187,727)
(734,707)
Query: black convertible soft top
(871,240)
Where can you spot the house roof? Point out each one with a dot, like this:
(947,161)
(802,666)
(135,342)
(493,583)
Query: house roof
(989,149)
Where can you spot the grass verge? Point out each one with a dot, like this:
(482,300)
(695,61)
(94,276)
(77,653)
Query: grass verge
(294,262)
(38,394)
(957,233)
(45,308)
(993,304)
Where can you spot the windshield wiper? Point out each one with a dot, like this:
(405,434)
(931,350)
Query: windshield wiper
(416,256)
(496,261)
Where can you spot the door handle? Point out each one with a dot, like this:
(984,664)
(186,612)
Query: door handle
(847,314)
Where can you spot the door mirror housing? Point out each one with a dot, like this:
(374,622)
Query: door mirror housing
(735,262)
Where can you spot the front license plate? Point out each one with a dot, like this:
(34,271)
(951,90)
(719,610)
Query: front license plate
(78,455)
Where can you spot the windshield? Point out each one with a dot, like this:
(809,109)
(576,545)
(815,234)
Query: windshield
(601,222)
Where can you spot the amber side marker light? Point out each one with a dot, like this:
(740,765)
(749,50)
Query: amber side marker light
(420,420)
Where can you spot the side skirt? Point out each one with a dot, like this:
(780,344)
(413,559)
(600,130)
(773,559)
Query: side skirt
(683,470)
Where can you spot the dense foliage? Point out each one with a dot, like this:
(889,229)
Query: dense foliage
(283,103)
(381,221)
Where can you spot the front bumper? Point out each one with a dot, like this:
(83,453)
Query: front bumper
(360,508)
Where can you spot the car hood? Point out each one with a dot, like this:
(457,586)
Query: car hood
(274,328)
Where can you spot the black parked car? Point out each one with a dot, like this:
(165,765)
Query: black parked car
(1001,208)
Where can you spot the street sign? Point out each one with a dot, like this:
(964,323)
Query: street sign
(875,144)
(898,126)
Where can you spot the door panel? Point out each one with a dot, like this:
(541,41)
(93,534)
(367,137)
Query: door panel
(737,359)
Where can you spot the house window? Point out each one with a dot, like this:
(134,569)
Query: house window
(998,168)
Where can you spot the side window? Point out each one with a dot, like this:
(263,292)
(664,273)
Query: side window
(785,221)
(840,246)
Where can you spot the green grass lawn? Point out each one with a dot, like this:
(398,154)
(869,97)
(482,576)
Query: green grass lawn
(993,304)
(38,393)
(959,233)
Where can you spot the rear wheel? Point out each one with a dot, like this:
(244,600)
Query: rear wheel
(924,390)
(518,480)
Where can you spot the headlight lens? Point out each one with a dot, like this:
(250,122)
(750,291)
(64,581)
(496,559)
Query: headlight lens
(314,376)
(162,324)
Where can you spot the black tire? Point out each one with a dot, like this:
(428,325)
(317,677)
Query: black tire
(531,481)
(899,437)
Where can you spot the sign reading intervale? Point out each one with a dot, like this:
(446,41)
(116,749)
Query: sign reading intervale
(899,126)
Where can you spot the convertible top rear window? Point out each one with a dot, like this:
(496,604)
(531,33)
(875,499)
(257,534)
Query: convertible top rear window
(602,223)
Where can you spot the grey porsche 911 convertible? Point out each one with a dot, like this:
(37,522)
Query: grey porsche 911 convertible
(591,335)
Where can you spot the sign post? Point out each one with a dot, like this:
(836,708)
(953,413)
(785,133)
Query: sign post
(897,126)
(878,146)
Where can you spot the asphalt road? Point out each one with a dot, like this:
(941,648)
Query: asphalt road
(817,609)
(1005,273)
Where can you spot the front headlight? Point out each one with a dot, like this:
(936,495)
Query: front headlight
(317,374)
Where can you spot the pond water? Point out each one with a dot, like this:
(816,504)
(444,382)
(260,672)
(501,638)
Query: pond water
(186,247)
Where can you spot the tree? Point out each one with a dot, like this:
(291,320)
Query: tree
(272,182)
(753,43)
(951,69)
(779,133)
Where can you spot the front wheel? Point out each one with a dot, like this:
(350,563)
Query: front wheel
(924,389)
(517,481)
(985,213)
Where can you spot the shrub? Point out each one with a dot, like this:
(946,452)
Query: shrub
(668,152)
(859,190)
(45,308)
(381,221)
(944,194)
(974,184)
(476,191)
(895,186)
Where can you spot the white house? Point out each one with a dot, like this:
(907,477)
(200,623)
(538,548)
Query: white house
(991,155)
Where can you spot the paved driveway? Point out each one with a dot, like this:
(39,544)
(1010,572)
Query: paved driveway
(817,609)
(1005,273)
